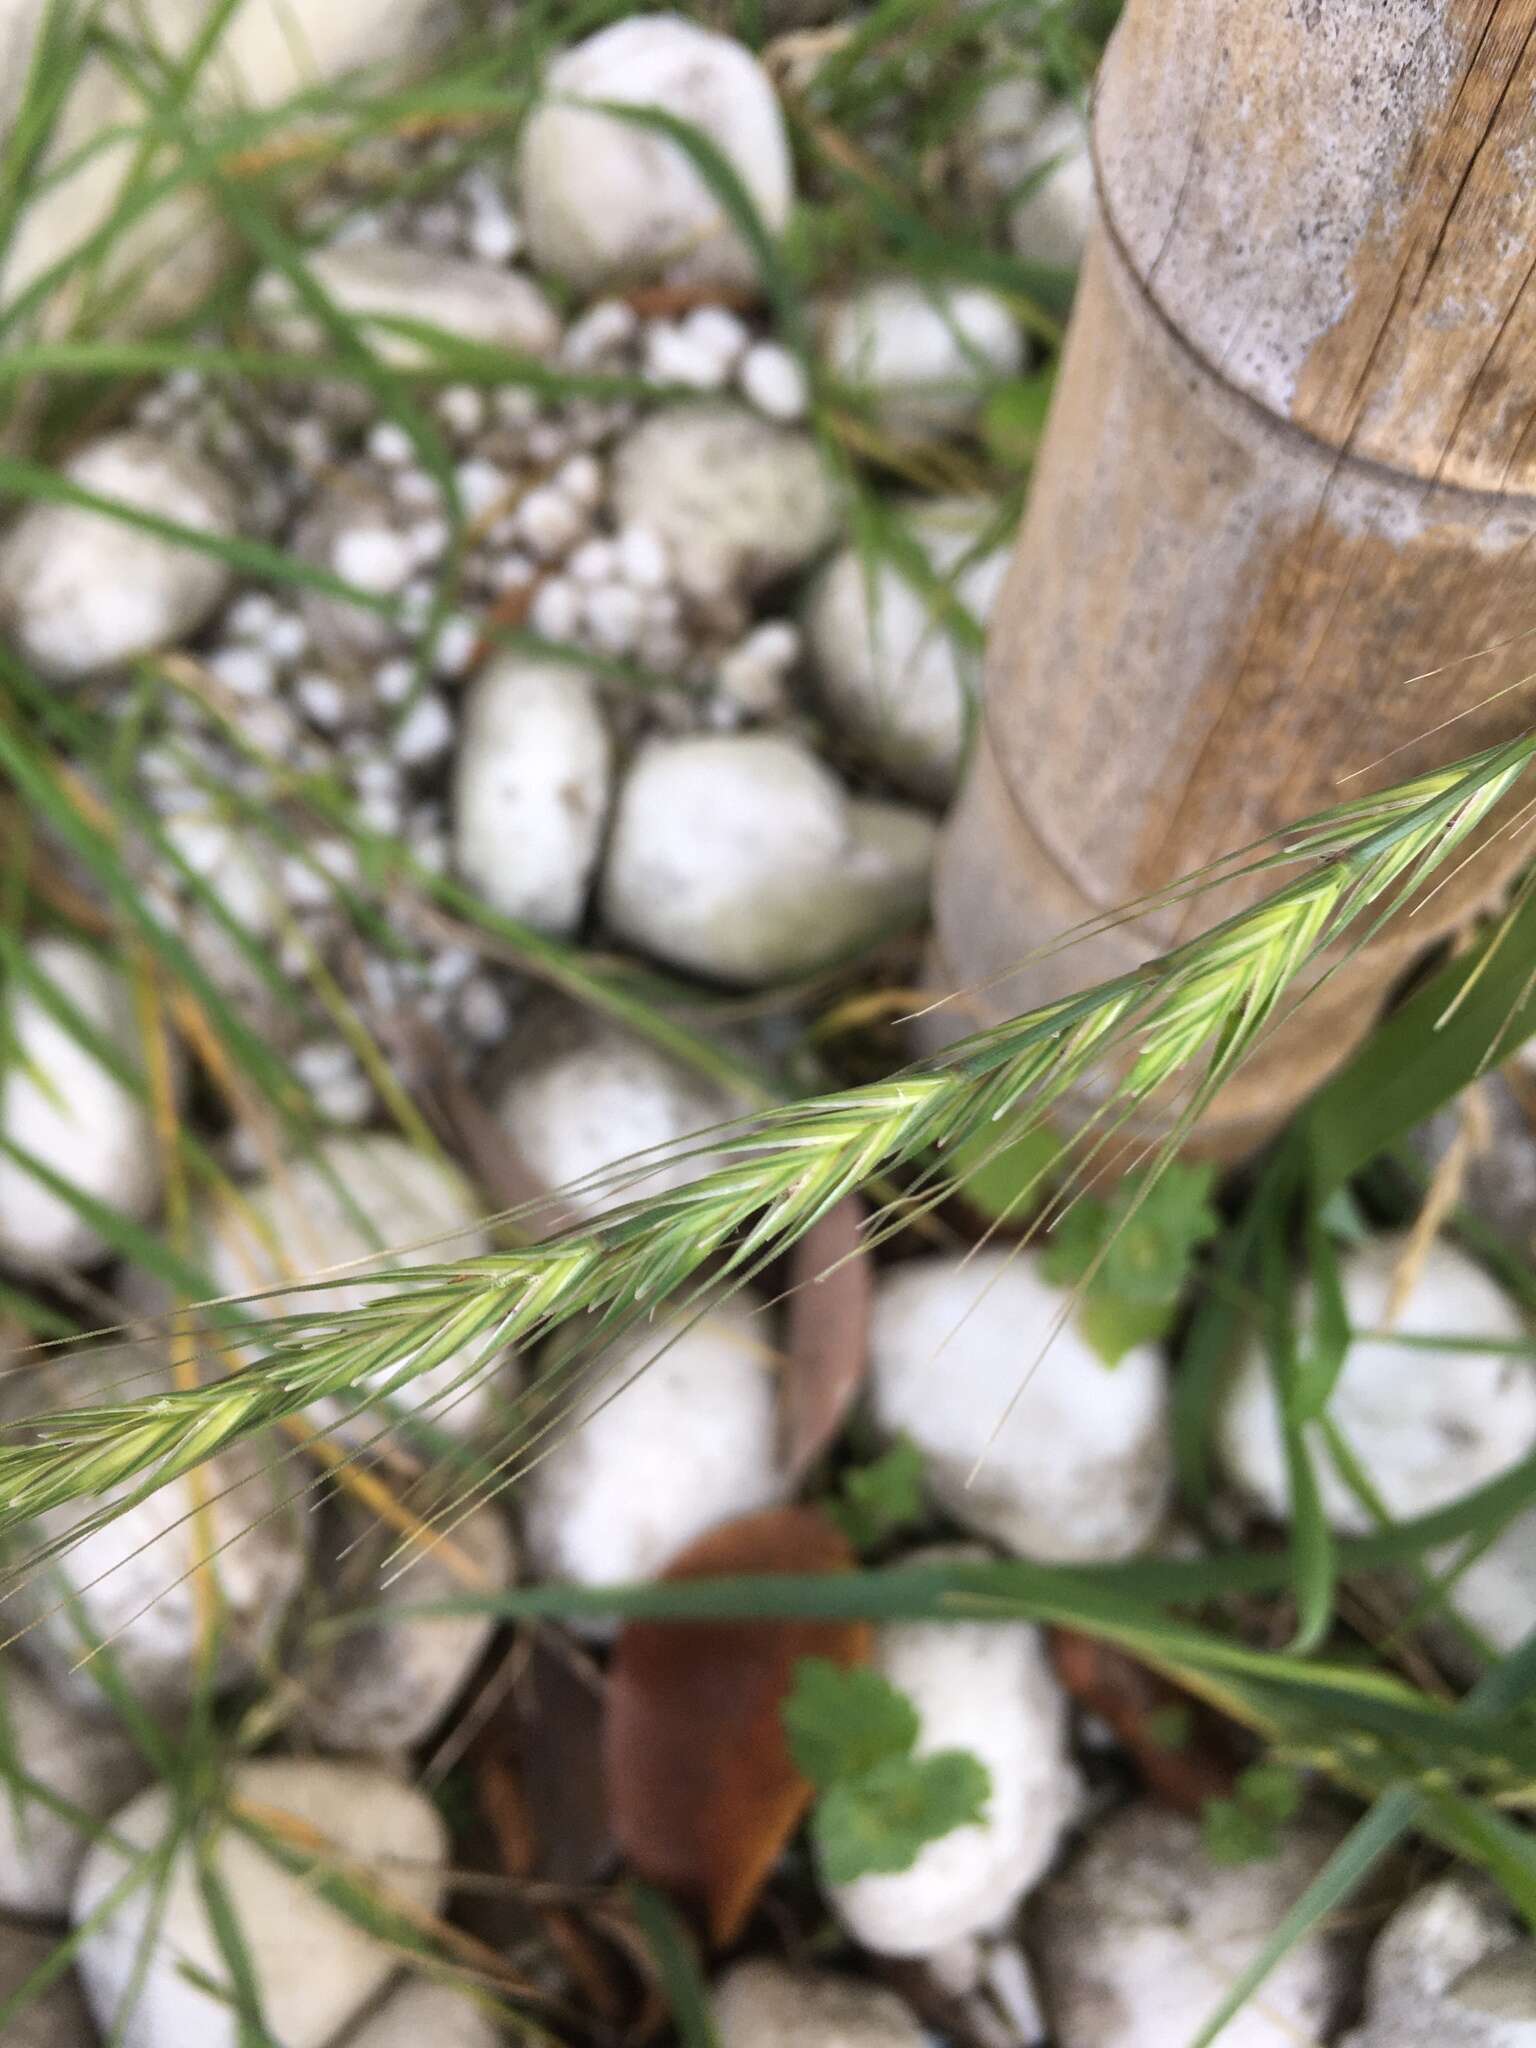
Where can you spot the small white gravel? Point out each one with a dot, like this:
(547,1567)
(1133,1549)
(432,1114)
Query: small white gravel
(1449,1970)
(772,381)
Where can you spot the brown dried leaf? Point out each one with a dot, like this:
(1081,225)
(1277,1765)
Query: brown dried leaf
(827,1343)
(702,1792)
(1133,1701)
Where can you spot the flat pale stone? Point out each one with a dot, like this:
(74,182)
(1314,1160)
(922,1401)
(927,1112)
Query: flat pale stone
(361,1206)
(314,1967)
(69,1112)
(605,200)
(743,858)
(531,788)
(82,591)
(375,281)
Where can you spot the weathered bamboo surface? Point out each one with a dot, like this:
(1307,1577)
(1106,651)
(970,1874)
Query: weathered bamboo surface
(1282,524)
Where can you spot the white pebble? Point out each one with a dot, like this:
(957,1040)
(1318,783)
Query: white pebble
(531,790)
(1426,1426)
(642,559)
(511,572)
(322,700)
(923,355)
(889,667)
(483,1010)
(454,650)
(70,1113)
(1050,224)
(428,539)
(613,614)
(1143,1936)
(481,486)
(773,382)
(555,612)
(394,680)
(286,638)
(719,332)
(691,1440)
(1450,1970)
(736,501)
(547,441)
(251,616)
(83,591)
(424,734)
(605,330)
(604,199)
(148,1951)
(763,2004)
(549,521)
(516,405)
(389,443)
(461,408)
(417,491)
(986,1688)
(247,671)
(374,558)
(593,562)
(1027,1437)
(581,479)
(744,859)
(673,356)
(381,281)
(494,237)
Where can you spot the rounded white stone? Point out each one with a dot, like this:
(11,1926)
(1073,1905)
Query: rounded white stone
(1426,1425)
(993,141)
(1449,1970)
(129,1584)
(384,1688)
(313,1965)
(373,282)
(986,1688)
(773,382)
(81,591)
(742,857)
(735,500)
(1496,1593)
(531,789)
(886,659)
(588,1099)
(1027,1436)
(361,1205)
(1142,1936)
(673,1430)
(66,1110)
(1050,223)
(605,199)
(89,1764)
(763,2004)
(423,2015)
(924,357)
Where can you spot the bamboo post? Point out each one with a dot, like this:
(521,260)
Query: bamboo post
(1291,467)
